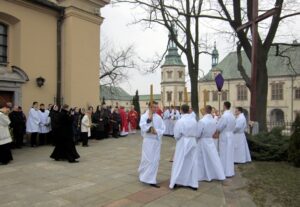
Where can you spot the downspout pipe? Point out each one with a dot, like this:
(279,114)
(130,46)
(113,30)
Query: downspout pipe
(60,20)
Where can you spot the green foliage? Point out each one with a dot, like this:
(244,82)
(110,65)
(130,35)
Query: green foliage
(294,145)
(269,146)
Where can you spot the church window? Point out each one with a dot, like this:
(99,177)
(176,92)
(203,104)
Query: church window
(224,95)
(242,93)
(169,74)
(277,91)
(297,93)
(180,74)
(180,96)
(215,95)
(3,43)
(169,96)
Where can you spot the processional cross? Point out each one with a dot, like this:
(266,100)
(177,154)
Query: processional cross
(254,30)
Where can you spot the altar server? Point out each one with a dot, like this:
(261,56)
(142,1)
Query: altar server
(184,169)
(225,127)
(209,163)
(152,129)
(241,149)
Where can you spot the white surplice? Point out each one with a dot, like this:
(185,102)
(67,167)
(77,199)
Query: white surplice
(175,115)
(33,121)
(151,148)
(241,149)
(184,169)
(225,126)
(45,122)
(166,118)
(209,163)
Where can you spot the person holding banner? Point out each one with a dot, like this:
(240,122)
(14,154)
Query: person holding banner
(152,130)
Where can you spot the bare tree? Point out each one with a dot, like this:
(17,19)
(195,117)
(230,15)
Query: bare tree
(236,13)
(184,16)
(116,64)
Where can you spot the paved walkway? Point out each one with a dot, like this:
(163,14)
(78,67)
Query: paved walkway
(105,176)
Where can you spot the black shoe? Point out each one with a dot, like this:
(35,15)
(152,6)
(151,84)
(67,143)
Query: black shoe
(195,189)
(73,161)
(154,185)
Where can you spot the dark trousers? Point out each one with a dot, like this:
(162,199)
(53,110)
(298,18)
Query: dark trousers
(33,137)
(43,139)
(84,138)
(18,137)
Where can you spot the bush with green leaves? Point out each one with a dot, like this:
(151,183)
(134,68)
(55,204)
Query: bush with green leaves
(269,146)
(294,145)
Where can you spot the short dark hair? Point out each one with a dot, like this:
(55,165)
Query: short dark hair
(227,104)
(185,108)
(151,103)
(208,109)
(240,109)
(65,106)
(42,104)
(35,102)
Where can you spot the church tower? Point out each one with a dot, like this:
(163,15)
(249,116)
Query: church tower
(172,77)
(215,62)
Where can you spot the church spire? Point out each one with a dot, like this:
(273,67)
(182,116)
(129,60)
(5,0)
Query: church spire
(214,56)
(172,58)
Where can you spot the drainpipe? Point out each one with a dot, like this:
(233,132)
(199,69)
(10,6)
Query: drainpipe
(292,99)
(59,57)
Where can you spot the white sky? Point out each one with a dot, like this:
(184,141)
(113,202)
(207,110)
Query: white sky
(117,29)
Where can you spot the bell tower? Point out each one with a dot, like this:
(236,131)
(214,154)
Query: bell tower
(172,76)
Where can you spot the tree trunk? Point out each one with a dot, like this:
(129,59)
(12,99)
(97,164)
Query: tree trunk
(194,91)
(262,91)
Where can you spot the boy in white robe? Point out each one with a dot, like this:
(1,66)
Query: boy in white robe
(184,169)
(225,127)
(152,129)
(175,115)
(209,163)
(166,118)
(32,124)
(241,149)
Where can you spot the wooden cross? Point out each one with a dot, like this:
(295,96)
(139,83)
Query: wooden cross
(253,23)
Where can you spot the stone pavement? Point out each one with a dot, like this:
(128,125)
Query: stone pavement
(105,176)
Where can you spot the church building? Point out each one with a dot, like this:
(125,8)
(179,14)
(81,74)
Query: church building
(50,51)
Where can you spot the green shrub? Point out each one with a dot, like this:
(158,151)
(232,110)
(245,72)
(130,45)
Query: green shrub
(269,146)
(294,145)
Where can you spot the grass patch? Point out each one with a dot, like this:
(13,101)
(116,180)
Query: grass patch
(272,183)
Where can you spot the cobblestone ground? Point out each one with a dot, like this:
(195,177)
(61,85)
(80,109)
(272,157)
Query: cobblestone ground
(105,176)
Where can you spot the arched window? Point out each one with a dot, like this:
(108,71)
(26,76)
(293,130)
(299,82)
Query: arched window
(277,115)
(169,96)
(180,93)
(242,93)
(3,43)
(180,74)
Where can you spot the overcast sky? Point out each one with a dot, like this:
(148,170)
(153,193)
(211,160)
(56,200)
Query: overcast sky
(117,29)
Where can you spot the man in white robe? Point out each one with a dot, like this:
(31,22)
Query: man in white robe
(209,163)
(184,169)
(241,149)
(175,115)
(225,127)
(44,125)
(32,124)
(152,129)
(166,118)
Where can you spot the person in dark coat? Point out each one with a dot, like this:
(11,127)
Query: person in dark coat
(76,125)
(116,122)
(65,147)
(18,126)
(100,119)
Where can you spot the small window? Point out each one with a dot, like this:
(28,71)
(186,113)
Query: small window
(169,73)
(3,43)
(215,95)
(169,96)
(242,93)
(224,95)
(180,74)
(180,96)
(277,91)
(297,93)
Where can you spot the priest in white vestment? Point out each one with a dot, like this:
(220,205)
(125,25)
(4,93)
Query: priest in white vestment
(184,169)
(209,163)
(152,129)
(225,127)
(166,118)
(175,115)
(241,149)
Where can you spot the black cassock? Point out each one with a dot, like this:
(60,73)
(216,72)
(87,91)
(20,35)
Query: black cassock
(17,123)
(101,119)
(64,144)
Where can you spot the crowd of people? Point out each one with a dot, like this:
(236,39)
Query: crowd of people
(63,127)
(205,150)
